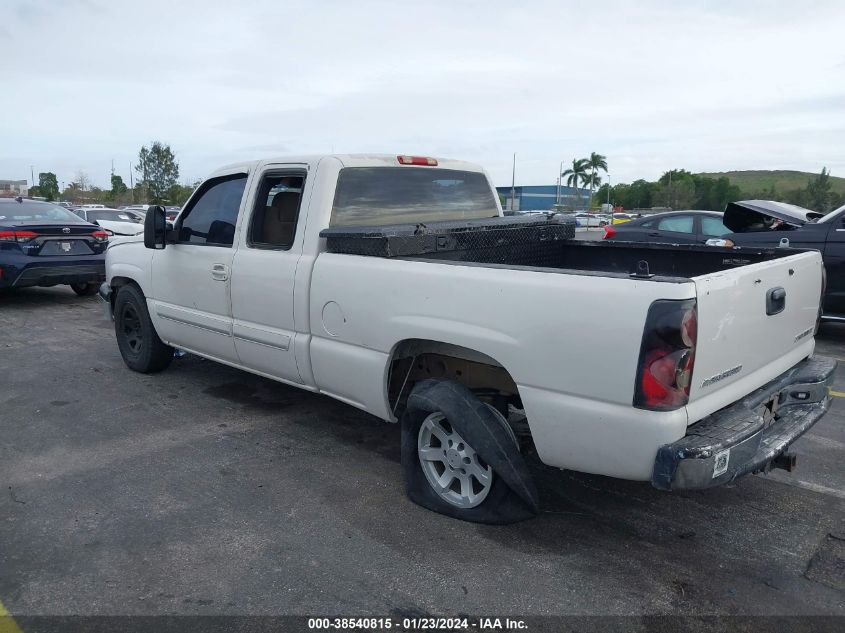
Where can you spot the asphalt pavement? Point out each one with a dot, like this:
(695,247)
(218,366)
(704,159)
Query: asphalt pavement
(207,490)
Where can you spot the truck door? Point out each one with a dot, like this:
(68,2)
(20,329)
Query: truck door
(190,279)
(264,270)
(834,262)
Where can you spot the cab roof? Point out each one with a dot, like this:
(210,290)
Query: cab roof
(347,160)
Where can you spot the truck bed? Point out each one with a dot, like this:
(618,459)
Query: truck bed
(620,258)
(546,243)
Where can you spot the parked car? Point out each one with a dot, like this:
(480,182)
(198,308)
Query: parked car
(592,219)
(44,244)
(755,223)
(117,221)
(138,209)
(675,227)
(399,289)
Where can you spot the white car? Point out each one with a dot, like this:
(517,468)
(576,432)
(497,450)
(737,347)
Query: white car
(391,283)
(117,221)
(591,219)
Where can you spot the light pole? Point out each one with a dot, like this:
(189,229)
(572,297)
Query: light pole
(513,183)
(559,178)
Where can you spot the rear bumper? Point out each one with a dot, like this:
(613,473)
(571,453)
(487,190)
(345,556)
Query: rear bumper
(52,271)
(737,440)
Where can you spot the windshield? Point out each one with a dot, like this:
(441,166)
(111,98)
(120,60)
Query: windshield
(31,211)
(829,216)
(373,196)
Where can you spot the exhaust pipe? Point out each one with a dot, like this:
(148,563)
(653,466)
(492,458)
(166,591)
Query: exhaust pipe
(785,461)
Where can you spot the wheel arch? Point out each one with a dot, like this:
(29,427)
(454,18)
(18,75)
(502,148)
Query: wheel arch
(414,359)
(118,281)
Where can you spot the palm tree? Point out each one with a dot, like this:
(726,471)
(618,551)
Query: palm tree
(577,175)
(595,162)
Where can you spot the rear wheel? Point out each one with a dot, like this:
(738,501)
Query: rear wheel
(453,468)
(139,344)
(461,458)
(84,290)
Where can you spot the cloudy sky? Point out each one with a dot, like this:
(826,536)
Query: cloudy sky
(653,85)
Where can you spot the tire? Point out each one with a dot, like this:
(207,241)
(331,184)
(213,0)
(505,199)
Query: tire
(84,290)
(460,457)
(142,350)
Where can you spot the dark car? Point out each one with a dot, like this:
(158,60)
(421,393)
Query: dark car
(756,223)
(675,227)
(769,223)
(43,244)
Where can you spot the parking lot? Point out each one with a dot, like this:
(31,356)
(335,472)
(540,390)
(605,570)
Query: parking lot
(207,490)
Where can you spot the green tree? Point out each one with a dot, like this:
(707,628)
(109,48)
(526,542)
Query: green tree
(642,194)
(675,189)
(179,194)
(73,192)
(713,194)
(118,187)
(765,194)
(157,171)
(596,162)
(95,194)
(637,195)
(48,185)
(818,194)
(577,175)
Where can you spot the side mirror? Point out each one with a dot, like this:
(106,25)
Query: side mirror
(155,228)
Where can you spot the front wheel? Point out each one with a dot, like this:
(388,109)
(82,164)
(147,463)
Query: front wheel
(139,344)
(85,289)
(461,458)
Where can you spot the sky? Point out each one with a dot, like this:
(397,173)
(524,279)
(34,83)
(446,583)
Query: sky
(652,85)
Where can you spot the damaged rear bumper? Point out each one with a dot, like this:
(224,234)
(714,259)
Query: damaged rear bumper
(738,439)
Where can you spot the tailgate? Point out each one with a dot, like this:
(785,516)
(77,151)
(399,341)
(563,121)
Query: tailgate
(745,336)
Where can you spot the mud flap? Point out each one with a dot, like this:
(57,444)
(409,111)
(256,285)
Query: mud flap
(514,495)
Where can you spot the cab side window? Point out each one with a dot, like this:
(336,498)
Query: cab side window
(211,217)
(276,211)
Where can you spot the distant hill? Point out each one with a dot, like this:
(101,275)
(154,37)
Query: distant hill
(756,181)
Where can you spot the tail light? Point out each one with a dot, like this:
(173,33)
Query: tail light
(100,236)
(425,161)
(667,355)
(609,232)
(17,236)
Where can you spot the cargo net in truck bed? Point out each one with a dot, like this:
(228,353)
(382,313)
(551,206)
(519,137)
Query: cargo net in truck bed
(490,240)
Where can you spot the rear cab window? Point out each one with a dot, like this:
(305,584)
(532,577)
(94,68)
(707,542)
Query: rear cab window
(373,196)
(274,219)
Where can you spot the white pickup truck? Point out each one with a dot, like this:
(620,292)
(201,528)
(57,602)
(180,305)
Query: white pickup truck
(393,284)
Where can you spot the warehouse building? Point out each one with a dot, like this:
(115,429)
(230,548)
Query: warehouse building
(13,188)
(542,197)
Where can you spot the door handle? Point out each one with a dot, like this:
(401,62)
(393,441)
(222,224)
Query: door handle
(219,272)
(654,234)
(775,300)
